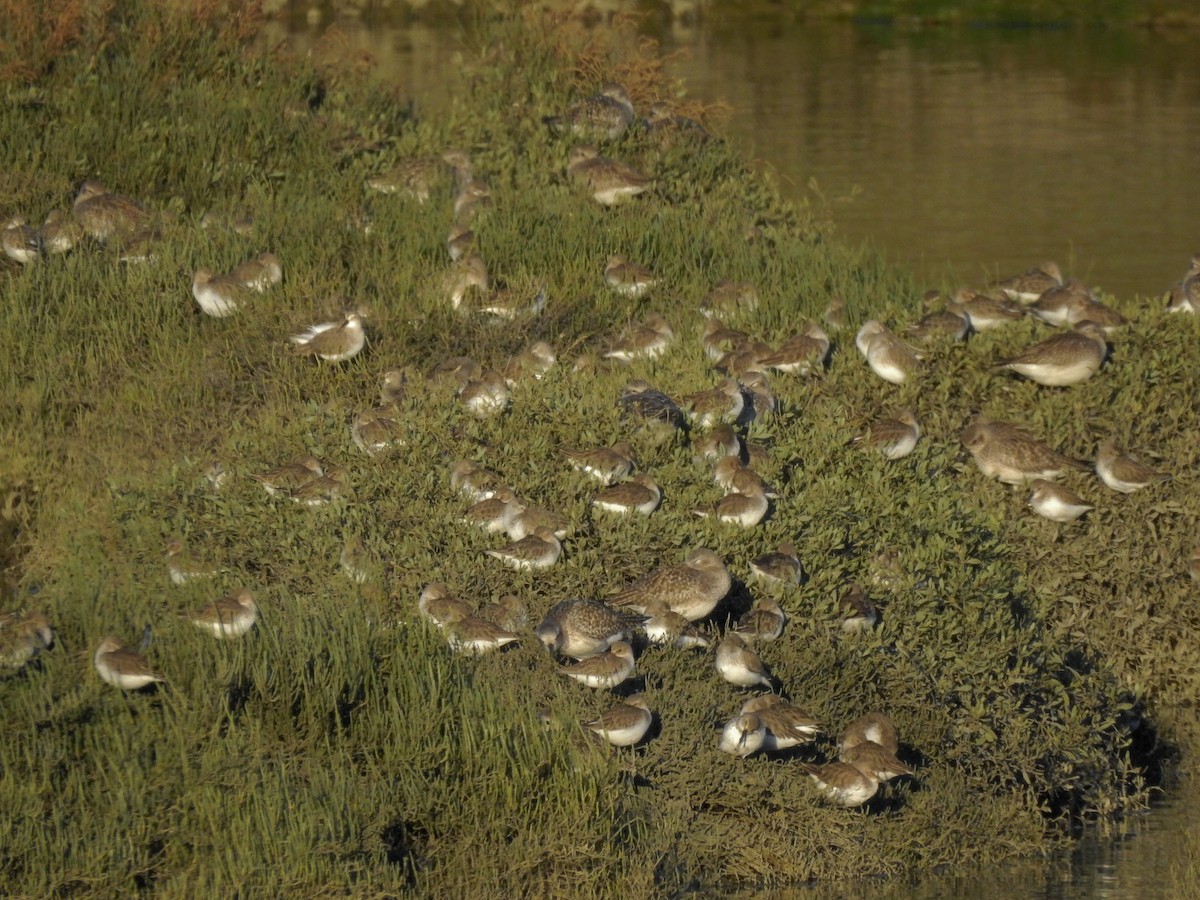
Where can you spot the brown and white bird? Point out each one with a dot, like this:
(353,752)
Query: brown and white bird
(440,607)
(692,589)
(1056,502)
(729,298)
(333,485)
(626,723)
(531,517)
(787,725)
(744,507)
(742,735)
(877,762)
(486,396)
(1008,452)
(857,611)
(802,354)
(122,667)
(229,617)
(538,550)
(104,215)
(722,404)
(495,514)
(740,665)
(1054,305)
(475,635)
(641,494)
(647,339)
(605,115)
(888,356)
(260,273)
(605,464)
(1124,473)
(1064,359)
(779,567)
(1031,284)
(59,233)
(875,727)
(533,362)
(473,480)
(895,437)
(283,480)
(23,635)
(663,627)
(717,444)
(217,295)
(20,241)
(375,430)
(332,341)
(642,400)
(629,279)
(509,612)
(607,181)
(763,622)
(183,566)
(581,628)
(984,312)
(604,670)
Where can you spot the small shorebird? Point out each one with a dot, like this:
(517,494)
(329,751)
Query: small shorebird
(875,727)
(720,443)
(332,341)
(627,278)
(745,506)
(412,177)
(692,589)
(22,637)
(495,514)
(1056,502)
(467,274)
(442,608)
(217,295)
(984,312)
(375,430)
(802,354)
(122,667)
(941,323)
(486,396)
(842,783)
(475,635)
(21,243)
(739,665)
(640,398)
(877,762)
(1054,305)
(722,404)
(626,723)
(605,115)
(473,480)
(393,387)
(717,338)
(1006,451)
(641,494)
(539,550)
(643,340)
(729,298)
(787,726)
(359,563)
(1064,359)
(835,313)
(581,628)
(763,622)
(59,233)
(333,485)
(530,517)
(662,626)
(231,616)
(604,670)
(888,356)
(104,215)
(283,480)
(605,464)
(509,612)
(742,735)
(1031,284)
(460,241)
(1124,473)
(894,437)
(183,566)
(857,611)
(533,362)
(260,273)
(781,566)
(606,180)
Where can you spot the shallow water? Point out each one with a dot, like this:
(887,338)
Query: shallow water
(974,153)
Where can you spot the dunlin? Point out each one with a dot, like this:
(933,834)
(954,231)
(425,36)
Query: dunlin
(22,637)
(985,312)
(531,517)
(605,115)
(894,437)
(393,387)
(942,323)
(539,550)
(842,783)
(718,444)
(1053,306)
(1124,473)
(663,626)
(456,371)
(763,622)
(282,480)
(717,338)
(742,735)
(476,635)
(104,215)
(1186,298)
(605,464)
(876,762)
(495,514)
(1056,502)
(643,340)
(472,198)
(857,611)
(721,404)
(460,241)
(332,341)
(359,563)
(641,494)
(122,667)
(217,295)
(875,727)
(260,273)
(183,566)
(21,243)
(667,128)
(59,233)
(726,469)
(375,430)
(1008,452)
(606,180)
(468,273)
(509,612)
(1031,284)
(626,723)
(230,616)
(745,507)
(1082,309)
(1194,565)
(333,485)
(781,566)
(729,298)
(787,726)
(888,356)
(1064,359)
(533,362)
(604,670)
(439,606)
(801,354)
(582,628)
(740,665)
(692,589)
(835,313)
(627,278)
(641,399)
(412,177)
(473,480)
(486,396)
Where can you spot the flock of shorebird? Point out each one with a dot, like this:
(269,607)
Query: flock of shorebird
(594,639)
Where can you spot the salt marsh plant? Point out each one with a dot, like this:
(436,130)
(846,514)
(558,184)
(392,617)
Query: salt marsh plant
(340,746)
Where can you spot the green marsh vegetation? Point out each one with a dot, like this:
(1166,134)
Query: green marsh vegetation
(340,746)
